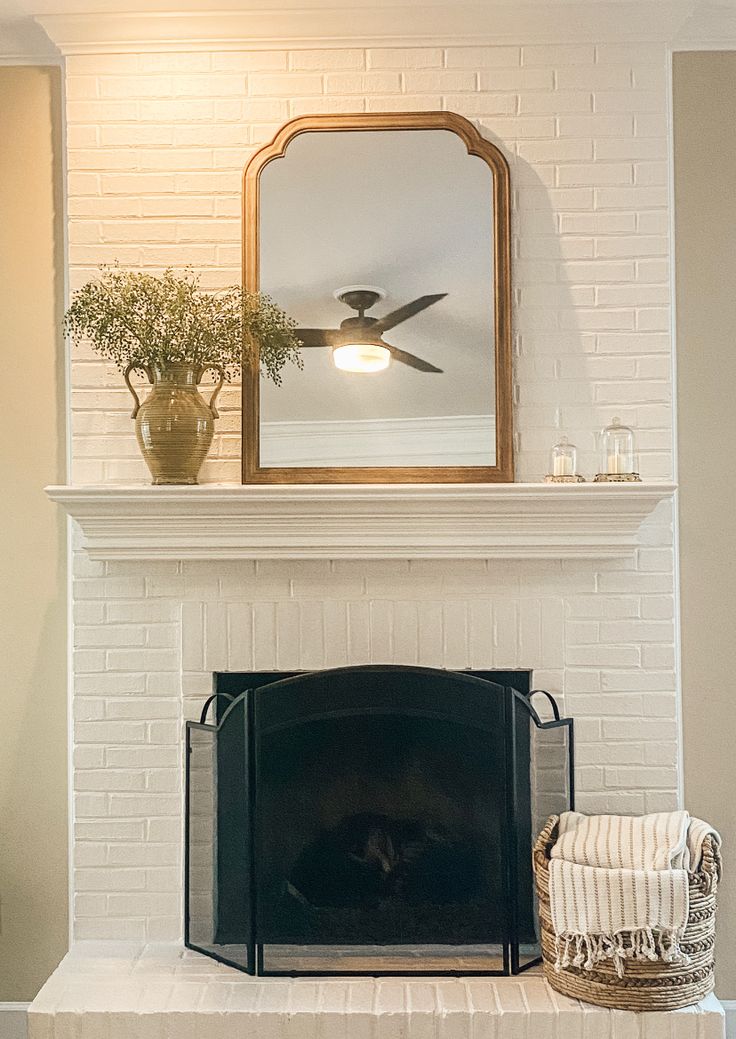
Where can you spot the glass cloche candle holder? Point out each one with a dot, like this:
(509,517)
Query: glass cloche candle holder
(618,461)
(563,463)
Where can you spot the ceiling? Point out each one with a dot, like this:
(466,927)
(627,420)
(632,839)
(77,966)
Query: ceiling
(24,8)
(411,213)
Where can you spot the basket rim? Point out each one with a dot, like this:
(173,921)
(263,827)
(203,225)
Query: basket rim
(710,864)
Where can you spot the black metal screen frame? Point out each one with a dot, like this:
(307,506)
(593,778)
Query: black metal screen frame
(514,700)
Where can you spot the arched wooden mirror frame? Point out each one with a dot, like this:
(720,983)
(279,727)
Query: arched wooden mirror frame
(503,470)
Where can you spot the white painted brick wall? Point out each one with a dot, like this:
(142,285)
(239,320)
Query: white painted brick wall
(157,144)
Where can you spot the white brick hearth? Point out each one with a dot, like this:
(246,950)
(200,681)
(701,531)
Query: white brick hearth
(164,992)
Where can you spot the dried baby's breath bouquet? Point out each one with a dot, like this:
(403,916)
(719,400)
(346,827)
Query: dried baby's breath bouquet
(148,321)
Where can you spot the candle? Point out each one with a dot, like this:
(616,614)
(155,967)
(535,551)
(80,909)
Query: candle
(562,466)
(617,450)
(615,463)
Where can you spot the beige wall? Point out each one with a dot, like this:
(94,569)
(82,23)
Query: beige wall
(705,249)
(33,786)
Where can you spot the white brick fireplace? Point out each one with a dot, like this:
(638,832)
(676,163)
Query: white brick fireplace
(157,138)
(156,146)
(149,636)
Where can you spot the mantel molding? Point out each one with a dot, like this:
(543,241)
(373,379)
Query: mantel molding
(367,521)
(402,23)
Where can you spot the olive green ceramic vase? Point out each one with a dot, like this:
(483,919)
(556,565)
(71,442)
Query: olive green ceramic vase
(174,424)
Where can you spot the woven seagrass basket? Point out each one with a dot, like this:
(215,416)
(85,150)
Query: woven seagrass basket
(645,985)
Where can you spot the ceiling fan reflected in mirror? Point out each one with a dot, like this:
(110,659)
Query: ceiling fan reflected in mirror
(358,344)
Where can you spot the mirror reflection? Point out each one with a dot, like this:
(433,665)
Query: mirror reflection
(380,245)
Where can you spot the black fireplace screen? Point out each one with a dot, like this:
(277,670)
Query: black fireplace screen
(370,820)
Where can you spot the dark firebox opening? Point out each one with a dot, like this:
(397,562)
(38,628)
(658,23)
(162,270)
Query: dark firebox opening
(369,860)
(388,822)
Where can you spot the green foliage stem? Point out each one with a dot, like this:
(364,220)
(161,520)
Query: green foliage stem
(144,320)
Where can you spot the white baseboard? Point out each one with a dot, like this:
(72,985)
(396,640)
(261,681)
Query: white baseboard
(729,1006)
(13,1020)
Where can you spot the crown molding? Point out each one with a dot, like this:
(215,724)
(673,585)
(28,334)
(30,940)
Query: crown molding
(368,26)
(711,26)
(362,521)
(24,42)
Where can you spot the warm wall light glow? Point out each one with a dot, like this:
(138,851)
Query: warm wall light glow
(361,357)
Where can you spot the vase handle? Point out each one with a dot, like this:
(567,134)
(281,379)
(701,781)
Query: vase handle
(126,376)
(218,387)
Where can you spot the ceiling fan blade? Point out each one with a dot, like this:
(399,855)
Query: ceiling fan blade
(414,362)
(404,313)
(318,336)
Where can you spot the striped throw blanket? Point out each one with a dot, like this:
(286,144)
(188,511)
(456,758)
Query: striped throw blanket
(619,886)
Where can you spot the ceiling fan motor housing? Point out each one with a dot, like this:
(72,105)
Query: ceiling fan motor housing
(362,324)
(360,299)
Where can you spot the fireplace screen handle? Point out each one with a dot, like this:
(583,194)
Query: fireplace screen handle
(209,701)
(550,698)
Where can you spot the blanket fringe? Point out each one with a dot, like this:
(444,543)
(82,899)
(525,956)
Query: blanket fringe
(586,950)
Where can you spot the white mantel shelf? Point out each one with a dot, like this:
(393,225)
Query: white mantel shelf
(367,521)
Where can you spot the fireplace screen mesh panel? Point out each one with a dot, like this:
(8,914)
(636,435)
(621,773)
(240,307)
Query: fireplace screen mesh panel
(373,819)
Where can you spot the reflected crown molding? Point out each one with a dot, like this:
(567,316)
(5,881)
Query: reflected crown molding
(424,440)
(367,25)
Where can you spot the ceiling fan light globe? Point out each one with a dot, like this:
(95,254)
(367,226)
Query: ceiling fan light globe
(361,357)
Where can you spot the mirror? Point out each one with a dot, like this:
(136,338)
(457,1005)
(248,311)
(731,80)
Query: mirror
(386,238)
